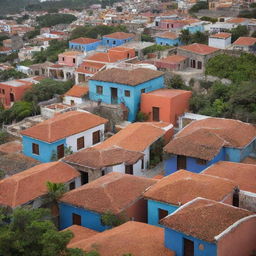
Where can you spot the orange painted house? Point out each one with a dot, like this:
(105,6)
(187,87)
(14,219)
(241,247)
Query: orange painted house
(165,104)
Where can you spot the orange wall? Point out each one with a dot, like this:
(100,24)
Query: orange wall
(138,211)
(239,242)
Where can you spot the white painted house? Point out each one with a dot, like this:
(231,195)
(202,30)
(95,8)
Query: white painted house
(29,187)
(220,40)
(76,95)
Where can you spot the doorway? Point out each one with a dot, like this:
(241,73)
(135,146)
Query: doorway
(188,247)
(76,219)
(60,151)
(181,162)
(155,111)
(84,177)
(12,98)
(114,95)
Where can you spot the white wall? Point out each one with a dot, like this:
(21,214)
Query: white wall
(72,140)
(219,42)
(67,100)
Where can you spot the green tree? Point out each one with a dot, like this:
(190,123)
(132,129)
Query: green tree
(185,36)
(11,74)
(31,34)
(176,82)
(50,20)
(199,6)
(31,232)
(238,32)
(111,220)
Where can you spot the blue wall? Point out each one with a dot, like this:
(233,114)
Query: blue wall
(195,28)
(112,42)
(84,47)
(167,41)
(89,219)
(170,165)
(153,207)
(132,102)
(173,240)
(45,149)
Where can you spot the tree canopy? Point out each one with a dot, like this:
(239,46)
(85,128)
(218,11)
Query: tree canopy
(11,74)
(198,6)
(189,38)
(49,20)
(238,32)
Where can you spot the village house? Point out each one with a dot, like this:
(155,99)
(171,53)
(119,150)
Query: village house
(198,54)
(172,63)
(73,130)
(13,90)
(205,142)
(115,86)
(167,38)
(108,194)
(76,95)
(5,50)
(246,44)
(234,22)
(244,175)
(220,40)
(132,237)
(206,227)
(70,58)
(165,104)
(93,163)
(84,44)
(175,190)
(144,137)
(116,39)
(29,187)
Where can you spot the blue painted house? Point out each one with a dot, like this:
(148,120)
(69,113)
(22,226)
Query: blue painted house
(108,194)
(116,86)
(48,141)
(116,39)
(205,142)
(194,27)
(207,228)
(167,38)
(84,44)
(175,190)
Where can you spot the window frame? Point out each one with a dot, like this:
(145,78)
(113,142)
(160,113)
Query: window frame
(99,89)
(127,93)
(35,149)
(80,143)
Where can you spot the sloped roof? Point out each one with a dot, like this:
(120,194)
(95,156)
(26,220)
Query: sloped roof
(173,59)
(204,219)
(242,174)
(199,48)
(204,138)
(168,35)
(31,184)
(247,41)
(119,35)
(99,158)
(221,35)
(128,77)
(133,237)
(136,136)
(64,125)
(183,186)
(84,40)
(77,91)
(113,192)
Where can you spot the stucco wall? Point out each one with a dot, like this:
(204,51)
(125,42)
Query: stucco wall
(221,43)
(247,200)
(67,100)
(84,47)
(112,42)
(167,41)
(239,241)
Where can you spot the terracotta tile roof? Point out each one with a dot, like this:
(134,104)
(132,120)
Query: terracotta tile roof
(113,192)
(169,35)
(80,233)
(248,41)
(221,35)
(173,59)
(137,238)
(204,138)
(99,158)
(168,93)
(204,219)
(135,137)
(71,53)
(199,48)
(249,160)
(242,174)
(184,186)
(236,20)
(31,184)
(105,57)
(128,77)
(84,40)
(64,125)
(77,91)
(119,35)
(11,147)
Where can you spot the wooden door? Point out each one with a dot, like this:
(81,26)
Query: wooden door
(60,151)
(114,95)
(188,247)
(76,219)
(181,162)
(96,137)
(155,111)
(129,169)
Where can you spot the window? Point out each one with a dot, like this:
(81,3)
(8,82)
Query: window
(74,60)
(63,59)
(72,185)
(161,214)
(127,93)
(201,161)
(129,169)
(103,173)
(114,42)
(80,143)
(35,148)
(72,102)
(199,65)
(99,89)
(96,137)
(143,90)
(142,163)
(76,219)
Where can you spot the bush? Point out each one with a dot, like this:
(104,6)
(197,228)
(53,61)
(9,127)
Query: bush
(142,117)
(111,220)
(50,20)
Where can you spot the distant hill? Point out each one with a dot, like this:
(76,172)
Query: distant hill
(13,6)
